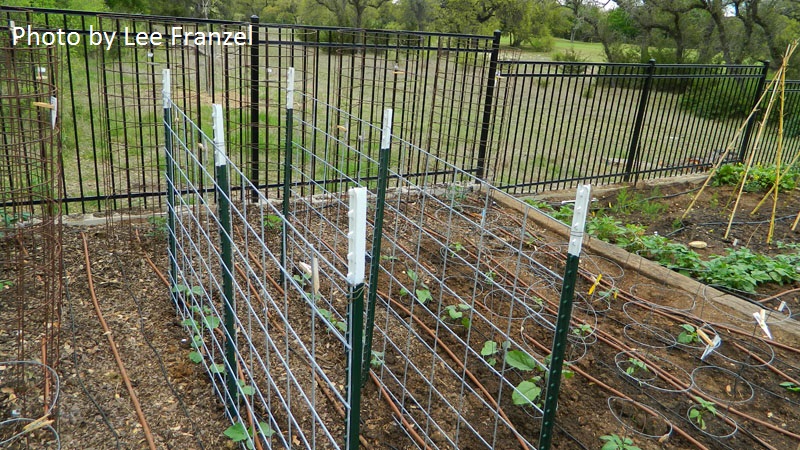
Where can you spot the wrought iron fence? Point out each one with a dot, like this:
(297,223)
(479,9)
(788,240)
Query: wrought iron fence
(525,126)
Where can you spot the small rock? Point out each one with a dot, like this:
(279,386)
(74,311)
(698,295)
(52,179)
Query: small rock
(698,244)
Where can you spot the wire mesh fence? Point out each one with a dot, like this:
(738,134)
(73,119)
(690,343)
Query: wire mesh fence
(30,244)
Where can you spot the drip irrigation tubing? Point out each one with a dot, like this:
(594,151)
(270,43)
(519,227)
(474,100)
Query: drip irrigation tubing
(123,373)
(616,344)
(85,390)
(148,340)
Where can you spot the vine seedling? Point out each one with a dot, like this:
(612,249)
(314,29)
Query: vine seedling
(238,432)
(789,386)
(635,365)
(582,330)
(377,358)
(697,413)
(688,335)
(272,221)
(615,442)
(456,312)
(423,293)
(328,316)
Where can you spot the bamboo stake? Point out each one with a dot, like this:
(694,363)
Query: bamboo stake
(785,172)
(728,148)
(749,164)
(779,151)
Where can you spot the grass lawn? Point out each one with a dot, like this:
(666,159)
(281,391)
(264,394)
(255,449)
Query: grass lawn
(592,51)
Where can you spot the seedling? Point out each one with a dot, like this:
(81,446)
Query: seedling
(301,279)
(377,358)
(456,247)
(423,293)
(688,335)
(183,289)
(527,392)
(272,221)
(456,312)
(582,330)
(327,315)
(697,413)
(246,388)
(489,351)
(789,386)
(159,224)
(614,442)
(238,432)
(635,365)
(489,276)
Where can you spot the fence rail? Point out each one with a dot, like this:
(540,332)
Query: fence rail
(525,126)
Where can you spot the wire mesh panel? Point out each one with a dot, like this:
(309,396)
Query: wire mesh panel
(30,244)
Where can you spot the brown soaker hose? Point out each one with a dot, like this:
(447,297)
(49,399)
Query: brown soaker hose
(142,421)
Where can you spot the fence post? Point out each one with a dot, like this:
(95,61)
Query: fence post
(287,167)
(757,96)
(356,254)
(254,134)
(488,101)
(564,315)
(377,235)
(226,244)
(633,149)
(170,160)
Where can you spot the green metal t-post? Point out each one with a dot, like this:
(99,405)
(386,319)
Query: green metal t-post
(356,252)
(377,235)
(564,316)
(226,244)
(170,160)
(287,167)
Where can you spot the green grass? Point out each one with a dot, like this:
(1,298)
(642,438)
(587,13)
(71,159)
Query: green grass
(592,51)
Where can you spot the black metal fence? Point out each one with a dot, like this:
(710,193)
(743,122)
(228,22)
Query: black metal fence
(525,126)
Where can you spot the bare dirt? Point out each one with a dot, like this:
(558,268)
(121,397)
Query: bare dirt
(183,412)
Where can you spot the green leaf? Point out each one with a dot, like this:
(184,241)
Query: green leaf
(526,393)
(265,429)
(412,275)
(424,296)
(236,432)
(211,322)
(789,386)
(520,360)
(195,357)
(217,368)
(197,290)
(197,341)
(489,348)
(246,388)
(191,323)
(491,361)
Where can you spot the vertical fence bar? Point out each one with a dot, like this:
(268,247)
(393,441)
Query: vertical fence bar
(633,149)
(357,243)
(488,101)
(762,81)
(254,133)
(287,164)
(377,235)
(170,174)
(226,245)
(564,315)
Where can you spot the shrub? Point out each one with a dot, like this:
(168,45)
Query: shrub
(572,57)
(544,43)
(719,98)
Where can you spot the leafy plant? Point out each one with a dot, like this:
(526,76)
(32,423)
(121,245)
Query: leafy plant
(615,442)
(789,386)
(246,388)
(582,330)
(636,364)
(527,392)
(697,413)
(518,359)
(272,221)
(688,335)
(376,358)
(159,224)
(489,277)
(301,279)
(456,247)
(422,291)
(456,312)
(489,351)
(328,316)
(239,432)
